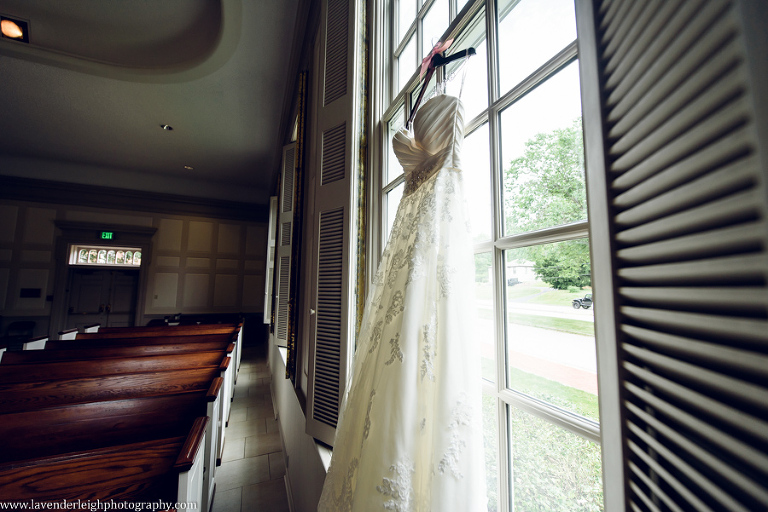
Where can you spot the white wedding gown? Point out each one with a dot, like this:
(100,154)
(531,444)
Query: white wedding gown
(409,436)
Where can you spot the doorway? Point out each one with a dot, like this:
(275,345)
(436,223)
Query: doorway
(101,296)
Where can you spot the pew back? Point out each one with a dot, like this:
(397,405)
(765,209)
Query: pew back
(140,332)
(30,396)
(50,355)
(33,372)
(94,425)
(130,342)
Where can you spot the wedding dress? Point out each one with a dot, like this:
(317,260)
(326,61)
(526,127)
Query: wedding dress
(409,436)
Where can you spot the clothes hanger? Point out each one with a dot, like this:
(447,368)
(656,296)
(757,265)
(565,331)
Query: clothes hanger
(433,61)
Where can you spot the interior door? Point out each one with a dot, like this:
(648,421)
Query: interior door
(106,297)
(121,306)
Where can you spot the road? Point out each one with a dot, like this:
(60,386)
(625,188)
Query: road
(566,358)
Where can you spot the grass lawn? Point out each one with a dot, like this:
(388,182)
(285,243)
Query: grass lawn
(559,297)
(572,399)
(581,327)
(533,292)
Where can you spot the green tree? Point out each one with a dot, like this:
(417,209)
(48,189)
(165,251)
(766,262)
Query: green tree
(543,188)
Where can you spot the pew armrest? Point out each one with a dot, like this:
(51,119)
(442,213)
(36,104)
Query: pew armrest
(69,334)
(224,364)
(36,343)
(230,348)
(191,465)
(213,391)
(194,441)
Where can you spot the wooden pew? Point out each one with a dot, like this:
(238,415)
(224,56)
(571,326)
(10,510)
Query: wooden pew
(177,330)
(106,351)
(167,332)
(29,396)
(173,330)
(93,343)
(110,352)
(32,372)
(139,332)
(157,468)
(199,389)
(132,342)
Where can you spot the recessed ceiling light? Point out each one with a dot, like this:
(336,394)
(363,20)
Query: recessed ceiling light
(188,167)
(166,127)
(14,29)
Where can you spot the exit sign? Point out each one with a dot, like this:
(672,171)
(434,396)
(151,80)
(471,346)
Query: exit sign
(107,235)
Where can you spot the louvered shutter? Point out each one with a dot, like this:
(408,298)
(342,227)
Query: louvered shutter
(271,253)
(675,119)
(337,139)
(283,252)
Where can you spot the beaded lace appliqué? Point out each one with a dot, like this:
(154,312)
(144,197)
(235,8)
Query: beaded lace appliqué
(460,417)
(444,278)
(367,425)
(376,336)
(429,351)
(396,352)
(395,307)
(343,502)
(399,488)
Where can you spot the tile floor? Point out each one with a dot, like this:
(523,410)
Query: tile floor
(250,477)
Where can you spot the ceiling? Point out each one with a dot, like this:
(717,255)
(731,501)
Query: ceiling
(84,101)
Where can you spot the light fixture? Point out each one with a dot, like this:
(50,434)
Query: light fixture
(188,167)
(14,29)
(166,127)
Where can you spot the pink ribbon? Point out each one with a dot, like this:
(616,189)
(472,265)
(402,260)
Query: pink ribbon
(438,48)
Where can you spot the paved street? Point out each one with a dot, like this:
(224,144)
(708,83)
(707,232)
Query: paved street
(563,357)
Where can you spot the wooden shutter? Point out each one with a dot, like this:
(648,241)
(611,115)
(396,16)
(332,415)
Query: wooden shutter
(337,137)
(675,135)
(271,253)
(283,252)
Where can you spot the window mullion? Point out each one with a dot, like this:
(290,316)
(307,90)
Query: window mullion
(404,41)
(568,421)
(491,41)
(548,69)
(572,231)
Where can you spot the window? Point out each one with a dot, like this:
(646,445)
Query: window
(105,256)
(523,154)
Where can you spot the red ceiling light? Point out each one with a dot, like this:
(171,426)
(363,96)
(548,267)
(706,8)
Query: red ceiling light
(14,29)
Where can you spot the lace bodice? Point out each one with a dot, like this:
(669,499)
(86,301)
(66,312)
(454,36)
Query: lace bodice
(434,143)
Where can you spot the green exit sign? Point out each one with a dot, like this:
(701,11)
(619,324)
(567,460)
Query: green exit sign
(107,235)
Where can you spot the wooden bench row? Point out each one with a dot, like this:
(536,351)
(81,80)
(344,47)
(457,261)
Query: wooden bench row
(147,407)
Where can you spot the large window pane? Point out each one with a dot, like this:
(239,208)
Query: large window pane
(435,23)
(553,470)
(394,169)
(550,325)
(476,162)
(543,156)
(406,64)
(406,15)
(472,87)
(530,33)
(486,342)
